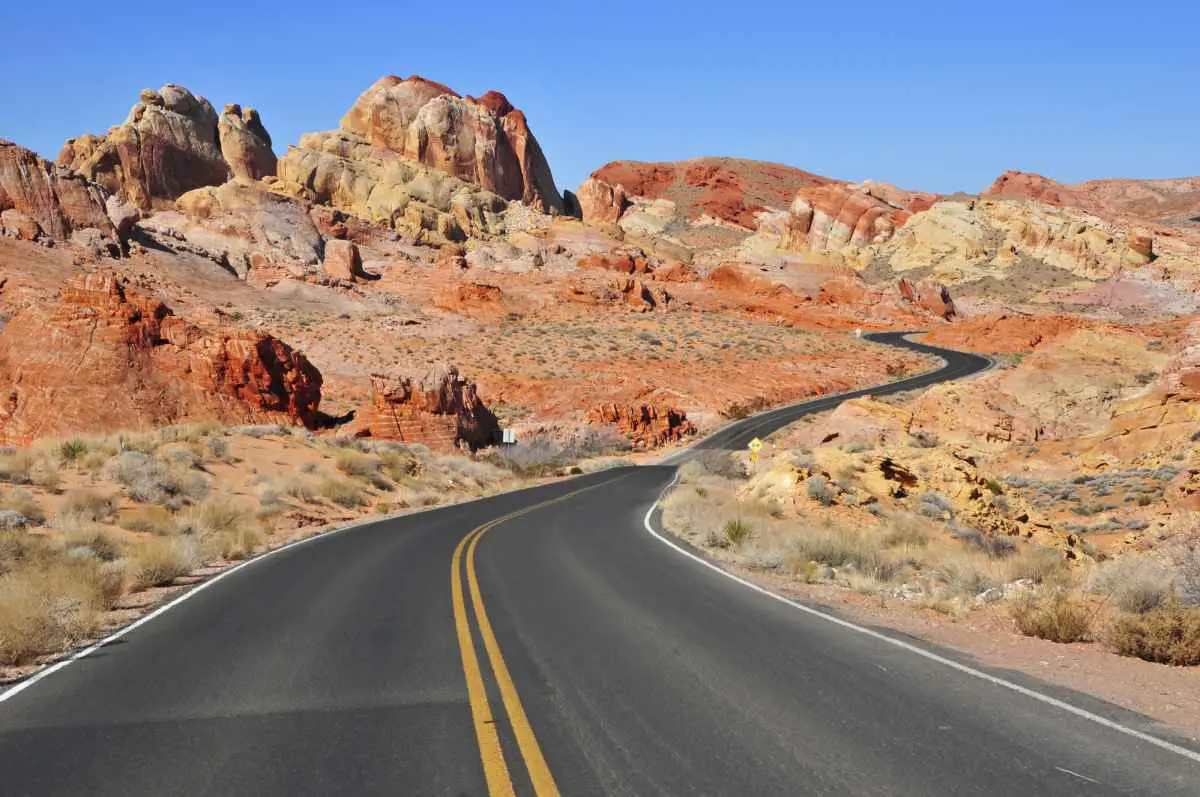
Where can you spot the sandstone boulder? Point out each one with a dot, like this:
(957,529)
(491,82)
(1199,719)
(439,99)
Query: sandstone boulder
(343,262)
(166,147)
(601,202)
(109,358)
(440,409)
(245,143)
(647,425)
(485,141)
(55,200)
(930,296)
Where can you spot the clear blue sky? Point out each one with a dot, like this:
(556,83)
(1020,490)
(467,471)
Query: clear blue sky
(935,95)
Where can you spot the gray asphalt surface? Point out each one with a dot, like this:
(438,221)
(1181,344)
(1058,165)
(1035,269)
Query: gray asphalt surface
(333,668)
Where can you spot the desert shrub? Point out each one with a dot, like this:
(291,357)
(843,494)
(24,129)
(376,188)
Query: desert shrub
(994,545)
(72,450)
(148,480)
(966,574)
(11,520)
(737,531)
(154,520)
(301,489)
(1053,615)
(217,515)
(158,561)
(905,531)
(357,465)
(838,547)
(1037,563)
(17,466)
(819,489)
(341,492)
(720,463)
(923,440)
(1136,584)
(218,448)
(934,505)
(540,455)
(471,472)
(94,542)
(22,501)
(45,475)
(260,431)
(1167,635)
(48,608)
(236,543)
(397,465)
(86,506)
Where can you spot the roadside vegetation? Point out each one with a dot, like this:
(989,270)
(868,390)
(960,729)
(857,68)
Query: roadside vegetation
(93,524)
(925,550)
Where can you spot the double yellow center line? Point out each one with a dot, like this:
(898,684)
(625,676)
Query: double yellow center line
(495,770)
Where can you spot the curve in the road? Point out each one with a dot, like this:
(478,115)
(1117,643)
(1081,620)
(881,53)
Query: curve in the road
(344,666)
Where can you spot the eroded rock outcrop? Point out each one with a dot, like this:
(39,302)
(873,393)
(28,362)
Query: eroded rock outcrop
(933,297)
(38,198)
(245,143)
(242,227)
(441,409)
(647,425)
(836,217)
(417,156)
(600,201)
(168,145)
(107,358)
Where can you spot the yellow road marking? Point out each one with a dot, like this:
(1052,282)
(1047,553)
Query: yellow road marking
(495,769)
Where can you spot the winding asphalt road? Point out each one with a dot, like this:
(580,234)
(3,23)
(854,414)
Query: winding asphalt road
(544,642)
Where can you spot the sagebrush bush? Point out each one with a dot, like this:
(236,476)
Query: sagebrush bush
(155,520)
(1136,584)
(357,465)
(1053,615)
(22,501)
(540,455)
(820,490)
(86,506)
(1167,635)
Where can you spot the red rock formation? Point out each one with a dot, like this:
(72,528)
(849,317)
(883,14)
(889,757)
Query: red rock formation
(675,271)
(106,358)
(728,189)
(38,198)
(732,277)
(601,202)
(168,146)
(829,218)
(1015,184)
(1142,245)
(486,141)
(931,296)
(470,298)
(646,425)
(440,410)
(343,262)
(843,290)
(617,261)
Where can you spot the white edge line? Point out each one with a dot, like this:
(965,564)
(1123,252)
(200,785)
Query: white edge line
(954,665)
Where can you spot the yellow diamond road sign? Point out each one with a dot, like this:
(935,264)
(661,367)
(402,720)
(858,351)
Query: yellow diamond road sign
(755,445)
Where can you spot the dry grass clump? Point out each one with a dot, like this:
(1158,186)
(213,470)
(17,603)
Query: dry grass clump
(1053,614)
(546,454)
(23,503)
(155,520)
(1136,584)
(86,506)
(1167,635)
(341,492)
(158,561)
(49,607)
(357,464)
